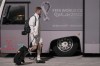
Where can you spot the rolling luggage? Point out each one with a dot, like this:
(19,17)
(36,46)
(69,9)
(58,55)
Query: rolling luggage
(20,55)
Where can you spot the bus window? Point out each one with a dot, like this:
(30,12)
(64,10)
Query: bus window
(14,14)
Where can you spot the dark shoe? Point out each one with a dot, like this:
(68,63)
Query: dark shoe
(40,61)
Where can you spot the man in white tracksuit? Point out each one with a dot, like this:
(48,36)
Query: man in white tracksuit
(35,36)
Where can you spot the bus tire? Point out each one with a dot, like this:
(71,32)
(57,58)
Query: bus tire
(65,47)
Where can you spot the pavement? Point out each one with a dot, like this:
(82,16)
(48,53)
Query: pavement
(55,61)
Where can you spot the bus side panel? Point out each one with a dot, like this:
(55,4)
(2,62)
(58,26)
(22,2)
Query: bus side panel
(92,26)
(62,20)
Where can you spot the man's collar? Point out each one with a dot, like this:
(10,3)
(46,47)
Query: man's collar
(37,16)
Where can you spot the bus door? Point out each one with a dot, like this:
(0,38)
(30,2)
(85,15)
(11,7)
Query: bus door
(12,24)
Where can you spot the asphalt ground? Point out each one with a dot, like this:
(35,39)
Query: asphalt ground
(77,60)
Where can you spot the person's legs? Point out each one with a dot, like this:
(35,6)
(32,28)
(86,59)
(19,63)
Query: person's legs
(39,51)
(37,44)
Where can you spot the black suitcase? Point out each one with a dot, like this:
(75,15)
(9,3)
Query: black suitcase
(20,55)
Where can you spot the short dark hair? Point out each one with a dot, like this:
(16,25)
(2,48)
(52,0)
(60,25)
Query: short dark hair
(38,8)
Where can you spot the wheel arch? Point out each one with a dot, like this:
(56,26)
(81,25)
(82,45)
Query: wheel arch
(74,38)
